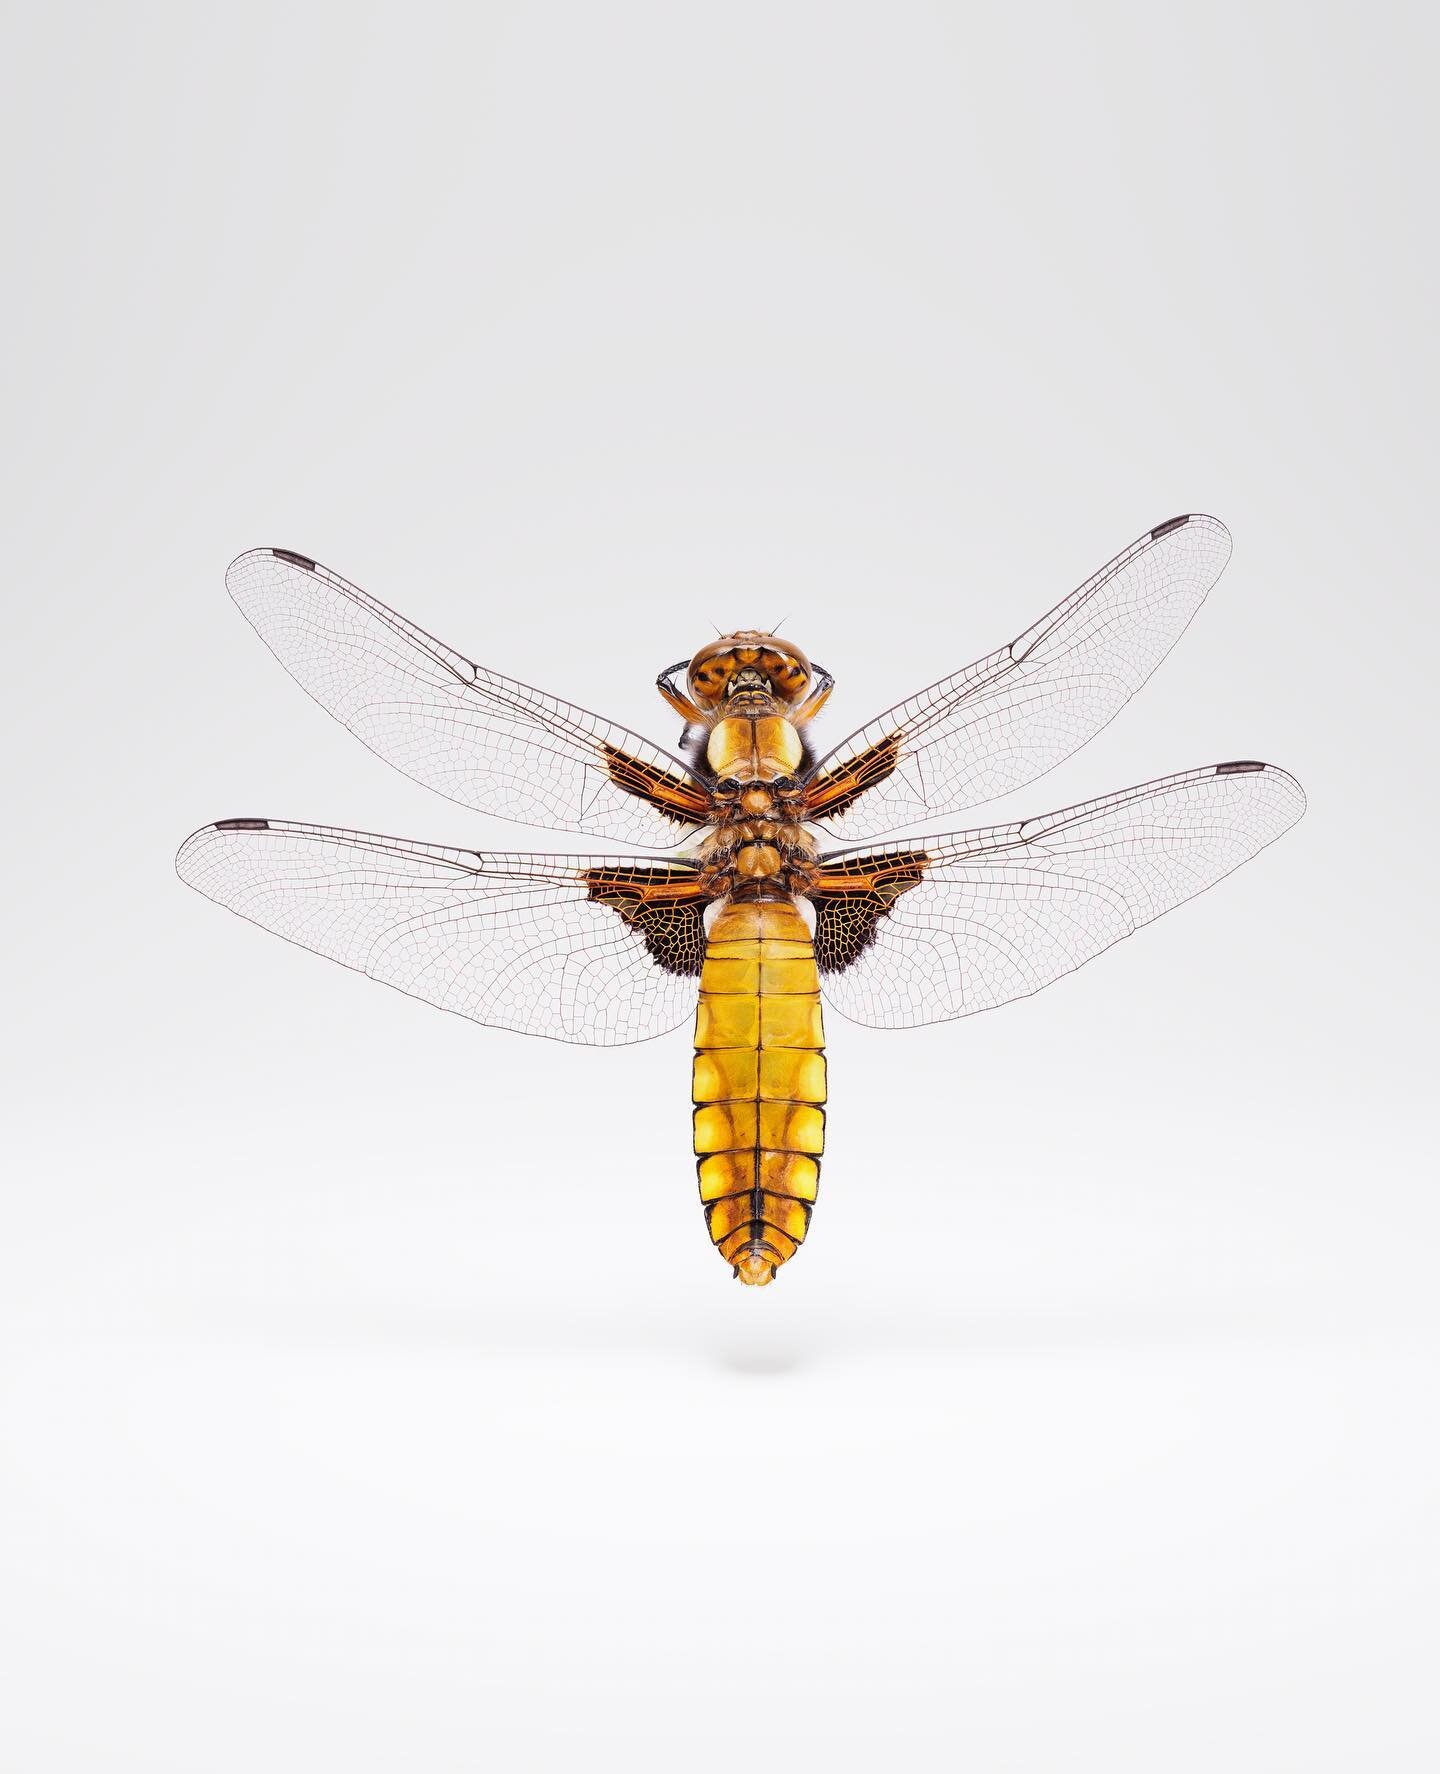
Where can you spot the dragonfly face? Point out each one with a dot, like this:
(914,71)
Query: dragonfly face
(745,914)
(748,666)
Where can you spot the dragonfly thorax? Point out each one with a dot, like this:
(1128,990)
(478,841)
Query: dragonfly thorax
(753,748)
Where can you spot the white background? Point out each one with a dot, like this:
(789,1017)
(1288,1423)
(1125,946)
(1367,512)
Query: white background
(371,1395)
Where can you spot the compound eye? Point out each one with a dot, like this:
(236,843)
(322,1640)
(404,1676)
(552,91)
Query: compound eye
(785,673)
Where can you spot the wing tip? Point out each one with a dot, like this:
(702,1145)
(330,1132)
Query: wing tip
(251,556)
(1253,767)
(198,837)
(1281,777)
(1203,518)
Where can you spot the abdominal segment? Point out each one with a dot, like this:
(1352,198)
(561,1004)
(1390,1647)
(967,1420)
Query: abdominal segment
(759,1085)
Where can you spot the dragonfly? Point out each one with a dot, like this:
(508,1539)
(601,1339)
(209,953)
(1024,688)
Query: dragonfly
(752,891)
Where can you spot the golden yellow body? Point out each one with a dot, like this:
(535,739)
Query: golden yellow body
(759,1084)
(756,749)
(608,948)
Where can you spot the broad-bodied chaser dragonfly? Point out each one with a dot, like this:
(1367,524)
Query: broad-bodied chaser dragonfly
(765,903)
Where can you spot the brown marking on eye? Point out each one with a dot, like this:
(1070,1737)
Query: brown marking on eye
(784,666)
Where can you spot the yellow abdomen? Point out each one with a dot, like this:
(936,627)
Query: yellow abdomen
(759,1085)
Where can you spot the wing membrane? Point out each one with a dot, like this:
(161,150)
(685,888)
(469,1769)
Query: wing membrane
(485,740)
(946,926)
(600,950)
(1015,714)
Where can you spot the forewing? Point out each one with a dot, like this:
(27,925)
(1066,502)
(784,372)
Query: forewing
(944,926)
(1015,714)
(484,740)
(602,950)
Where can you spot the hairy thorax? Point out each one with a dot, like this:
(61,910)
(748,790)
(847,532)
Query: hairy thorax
(757,846)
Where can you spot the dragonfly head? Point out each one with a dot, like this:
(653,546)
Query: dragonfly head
(752,667)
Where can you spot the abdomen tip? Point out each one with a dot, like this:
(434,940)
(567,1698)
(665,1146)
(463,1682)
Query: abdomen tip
(755,1269)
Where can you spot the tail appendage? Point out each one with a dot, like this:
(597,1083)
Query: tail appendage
(759,1085)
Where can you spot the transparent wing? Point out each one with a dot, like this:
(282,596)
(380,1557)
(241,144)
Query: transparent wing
(1015,714)
(601,950)
(946,926)
(484,740)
